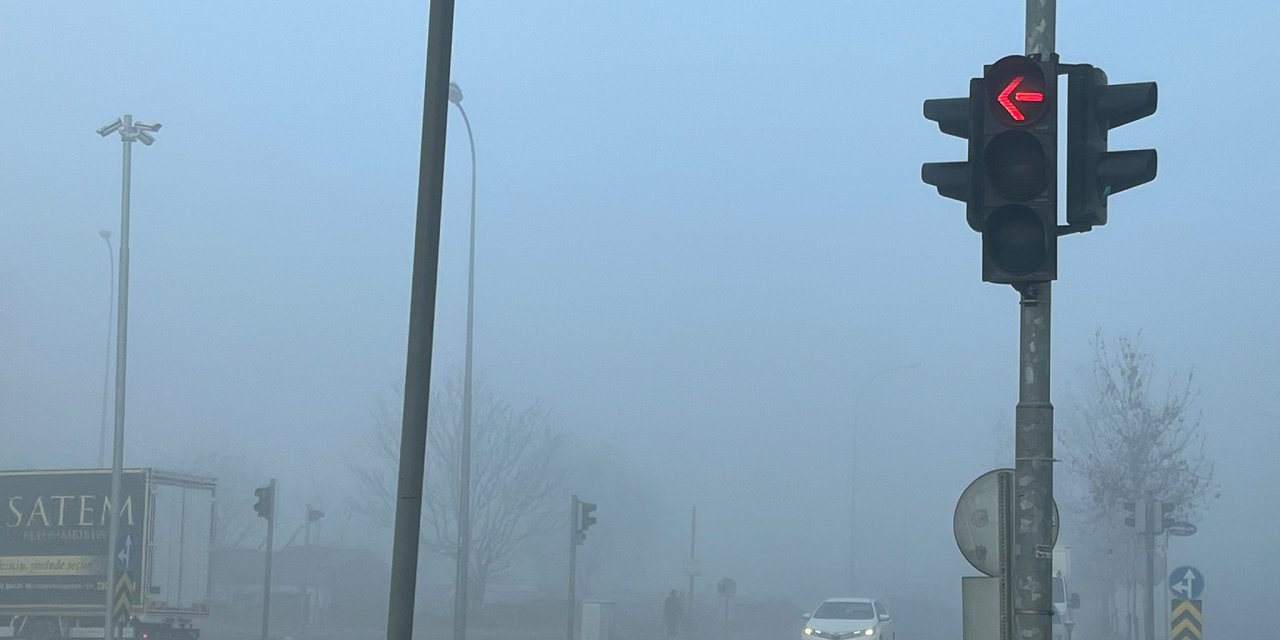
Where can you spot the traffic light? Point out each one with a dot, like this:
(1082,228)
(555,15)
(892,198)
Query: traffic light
(266,501)
(955,180)
(1167,510)
(1131,519)
(1009,182)
(1093,108)
(1018,177)
(585,519)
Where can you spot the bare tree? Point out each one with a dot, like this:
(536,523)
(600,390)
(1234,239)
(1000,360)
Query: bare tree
(518,479)
(1137,439)
(235,524)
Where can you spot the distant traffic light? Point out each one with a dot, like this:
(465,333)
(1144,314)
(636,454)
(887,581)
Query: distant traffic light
(1009,181)
(266,501)
(587,519)
(582,519)
(1167,510)
(1093,173)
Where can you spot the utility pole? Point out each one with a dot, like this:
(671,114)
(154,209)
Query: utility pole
(422,314)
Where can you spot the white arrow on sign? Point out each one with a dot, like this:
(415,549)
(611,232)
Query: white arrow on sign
(1184,586)
(126,550)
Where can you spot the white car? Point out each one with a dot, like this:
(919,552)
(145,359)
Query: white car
(847,618)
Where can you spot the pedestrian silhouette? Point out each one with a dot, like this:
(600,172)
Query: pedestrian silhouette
(672,612)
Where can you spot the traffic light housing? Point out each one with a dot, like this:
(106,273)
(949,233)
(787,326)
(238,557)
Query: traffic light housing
(1093,173)
(955,180)
(1167,519)
(585,519)
(1009,182)
(1018,170)
(1131,515)
(266,501)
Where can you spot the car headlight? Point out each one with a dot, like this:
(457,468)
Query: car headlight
(808,631)
(869,632)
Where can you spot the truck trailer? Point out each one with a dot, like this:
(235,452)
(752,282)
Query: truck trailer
(53,554)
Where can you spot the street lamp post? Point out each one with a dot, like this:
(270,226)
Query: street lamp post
(853,475)
(464,481)
(106,367)
(130,131)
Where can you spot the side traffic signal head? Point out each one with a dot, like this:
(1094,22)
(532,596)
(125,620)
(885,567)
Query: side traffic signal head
(585,518)
(1093,108)
(265,506)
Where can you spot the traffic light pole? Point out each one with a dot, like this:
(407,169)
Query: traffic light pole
(1031,584)
(1033,472)
(266,578)
(573,566)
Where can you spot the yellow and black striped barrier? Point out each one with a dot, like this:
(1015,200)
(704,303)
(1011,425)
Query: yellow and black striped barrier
(1186,620)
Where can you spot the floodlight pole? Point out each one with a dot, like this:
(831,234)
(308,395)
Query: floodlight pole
(129,132)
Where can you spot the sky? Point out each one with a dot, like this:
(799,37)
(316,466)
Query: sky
(701,238)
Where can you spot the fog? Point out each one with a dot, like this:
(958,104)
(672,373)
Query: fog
(703,250)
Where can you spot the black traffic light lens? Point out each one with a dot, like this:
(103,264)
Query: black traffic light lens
(1016,239)
(1016,165)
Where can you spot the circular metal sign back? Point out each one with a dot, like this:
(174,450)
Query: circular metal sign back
(977,522)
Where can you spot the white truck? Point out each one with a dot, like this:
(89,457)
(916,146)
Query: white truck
(53,554)
(1065,602)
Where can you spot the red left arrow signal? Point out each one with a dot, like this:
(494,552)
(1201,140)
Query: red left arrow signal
(1019,96)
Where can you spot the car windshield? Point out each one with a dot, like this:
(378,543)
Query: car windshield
(845,611)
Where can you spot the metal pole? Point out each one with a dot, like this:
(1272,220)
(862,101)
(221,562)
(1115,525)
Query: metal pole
(106,367)
(122,334)
(1033,472)
(422,308)
(1033,446)
(1166,622)
(573,566)
(266,578)
(1041,26)
(464,482)
(1149,541)
(693,539)
(306,576)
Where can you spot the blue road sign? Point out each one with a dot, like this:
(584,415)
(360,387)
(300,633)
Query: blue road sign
(1186,583)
